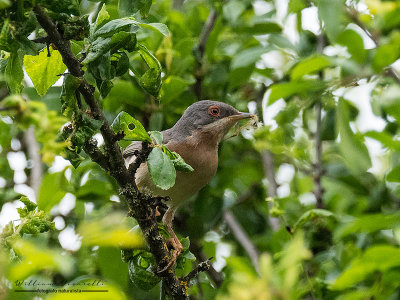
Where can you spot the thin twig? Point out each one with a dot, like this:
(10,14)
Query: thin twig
(203,266)
(215,276)
(318,191)
(242,238)
(318,169)
(269,170)
(200,50)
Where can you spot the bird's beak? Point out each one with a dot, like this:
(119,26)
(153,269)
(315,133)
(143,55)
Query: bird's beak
(242,115)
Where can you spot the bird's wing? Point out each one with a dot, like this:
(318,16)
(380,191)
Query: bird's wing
(130,151)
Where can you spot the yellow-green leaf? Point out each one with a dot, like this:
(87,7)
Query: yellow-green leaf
(43,69)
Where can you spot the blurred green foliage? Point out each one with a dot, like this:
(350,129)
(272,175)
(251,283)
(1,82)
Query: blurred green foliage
(147,64)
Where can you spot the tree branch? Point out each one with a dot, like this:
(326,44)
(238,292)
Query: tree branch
(318,191)
(33,149)
(139,204)
(318,170)
(269,171)
(201,267)
(200,50)
(242,238)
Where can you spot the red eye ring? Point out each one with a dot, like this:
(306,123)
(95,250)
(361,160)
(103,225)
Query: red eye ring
(214,111)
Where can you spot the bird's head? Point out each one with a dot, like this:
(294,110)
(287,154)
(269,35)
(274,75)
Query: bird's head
(210,119)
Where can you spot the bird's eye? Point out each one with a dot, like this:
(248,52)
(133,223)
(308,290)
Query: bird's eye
(214,111)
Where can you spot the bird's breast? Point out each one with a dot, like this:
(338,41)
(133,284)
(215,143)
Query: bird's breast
(202,158)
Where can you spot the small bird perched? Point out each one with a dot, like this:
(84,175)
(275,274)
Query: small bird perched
(195,137)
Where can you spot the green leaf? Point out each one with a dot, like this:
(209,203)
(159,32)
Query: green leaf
(111,265)
(102,45)
(385,139)
(43,70)
(162,28)
(394,175)
(30,206)
(50,193)
(161,169)
(4,4)
(130,7)
(180,164)
(114,26)
(140,271)
(296,5)
(173,87)
(14,73)
(386,55)
(151,79)
(157,137)
(122,65)
(102,17)
(328,126)
(312,214)
(287,89)
(112,230)
(309,65)
(233,9)
(331,13)
(260,28)
(68,97)
(377,258)
(354,43)
(368,223)
(133,129)
(248,57)
(354,152)
(34,259)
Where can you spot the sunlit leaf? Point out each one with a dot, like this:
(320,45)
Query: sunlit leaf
(309,65)
(110,231)
(43,69)
(35,259)
(50,193)
(133,129)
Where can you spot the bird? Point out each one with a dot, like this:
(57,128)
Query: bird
(195,137)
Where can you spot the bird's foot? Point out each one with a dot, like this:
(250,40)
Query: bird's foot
(177,250)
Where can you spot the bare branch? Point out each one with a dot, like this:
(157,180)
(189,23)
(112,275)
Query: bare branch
(242,238)
(95,154)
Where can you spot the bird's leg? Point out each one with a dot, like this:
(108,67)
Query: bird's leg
(176,244)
